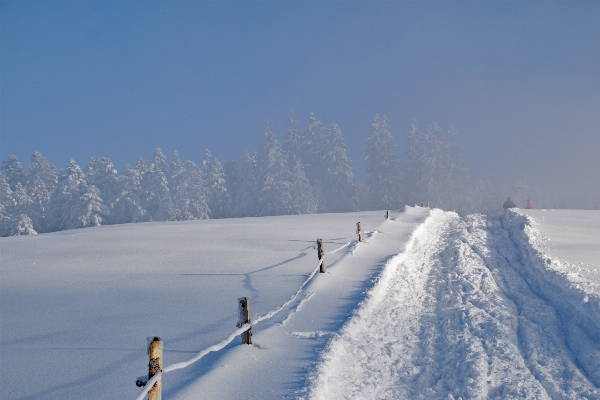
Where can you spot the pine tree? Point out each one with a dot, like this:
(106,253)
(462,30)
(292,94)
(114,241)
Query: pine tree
(6,205)
(73,203)
(11,168)
(232,182)
(189,194)
(23,207)
(384,167)
(156,200)
(41,178)
(219,200)
(100,172)
(21,225)
(339,182)
(128,204)
(303,200)
(437,170)
(275,188)
(247,198)
(292,146)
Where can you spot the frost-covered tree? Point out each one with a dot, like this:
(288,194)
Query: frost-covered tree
(232,182)
(156,198)
(292,146)
(313,148)
(219,200)
(23,213)
(247,198)
(303,200)
(73,203)
(41,177)
(128,203)
(12,169)
(21,225)
(384,167)
(189,194)
(340,192)
(436,170)
(6,205)
(275,196)
(100,172)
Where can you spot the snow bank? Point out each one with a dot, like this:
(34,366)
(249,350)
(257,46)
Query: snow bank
(576,298)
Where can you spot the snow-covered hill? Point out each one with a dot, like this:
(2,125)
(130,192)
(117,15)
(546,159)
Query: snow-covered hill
(430,306)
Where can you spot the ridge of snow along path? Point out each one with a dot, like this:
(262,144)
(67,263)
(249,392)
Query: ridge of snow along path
(471,310)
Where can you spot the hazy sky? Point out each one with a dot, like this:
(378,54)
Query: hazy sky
(520,81)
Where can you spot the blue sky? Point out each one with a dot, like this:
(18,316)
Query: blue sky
(520,81)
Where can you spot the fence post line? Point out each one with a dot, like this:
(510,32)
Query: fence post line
(359,231)
(321,254)
(244,318)
(154,367)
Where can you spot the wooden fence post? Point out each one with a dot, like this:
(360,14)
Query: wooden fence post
(387,215)
(321,254)
(155,367)
(359,231)
(244,318)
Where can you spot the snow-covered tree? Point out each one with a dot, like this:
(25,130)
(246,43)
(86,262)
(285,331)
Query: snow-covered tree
(12,169)
(340,192)
(6,205)
(128,203)
(73,203)
(21,225)
(24,212)
(156,198)
(436,170)
(189,194)
(247,198)
(313,148)
(384,167)
(275,188)
(41,179)
(232,182)
(100,172)
(219,200)
(292,146)
(303,200)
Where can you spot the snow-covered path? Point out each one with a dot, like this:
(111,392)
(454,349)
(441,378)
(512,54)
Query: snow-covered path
(462,315)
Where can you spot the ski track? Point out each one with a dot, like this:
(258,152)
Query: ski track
(461,315)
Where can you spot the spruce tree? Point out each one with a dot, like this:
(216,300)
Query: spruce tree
(275,188)
(12,169)
(219,200)
(384,167)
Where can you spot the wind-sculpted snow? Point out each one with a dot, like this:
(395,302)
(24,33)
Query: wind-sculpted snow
(458,315)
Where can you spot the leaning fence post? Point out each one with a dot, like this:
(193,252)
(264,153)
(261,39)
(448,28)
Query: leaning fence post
(321,254)
(359,231)
(244,318)
(155,367)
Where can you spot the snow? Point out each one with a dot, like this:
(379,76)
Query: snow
(430,306)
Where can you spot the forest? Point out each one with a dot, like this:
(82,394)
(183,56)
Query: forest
(311,172)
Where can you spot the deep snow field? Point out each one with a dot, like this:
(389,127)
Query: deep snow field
(431,306)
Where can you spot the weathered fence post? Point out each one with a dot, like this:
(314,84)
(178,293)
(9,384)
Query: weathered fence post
(359,231)
(387,215)
(155,367)
(321,254)
(244,318)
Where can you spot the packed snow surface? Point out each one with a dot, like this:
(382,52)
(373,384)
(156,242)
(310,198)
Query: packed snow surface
(430,305)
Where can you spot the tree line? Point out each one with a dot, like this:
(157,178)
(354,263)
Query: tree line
(310,173)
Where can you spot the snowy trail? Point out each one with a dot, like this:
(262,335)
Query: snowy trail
(457,317)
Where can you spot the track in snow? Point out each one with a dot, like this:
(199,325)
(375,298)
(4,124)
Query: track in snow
(454,317)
